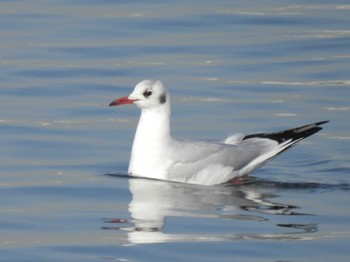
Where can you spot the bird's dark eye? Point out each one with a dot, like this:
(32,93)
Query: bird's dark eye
(147,93)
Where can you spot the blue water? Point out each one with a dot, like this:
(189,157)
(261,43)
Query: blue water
(242,66)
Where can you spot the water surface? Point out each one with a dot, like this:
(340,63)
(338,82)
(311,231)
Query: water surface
(231,67)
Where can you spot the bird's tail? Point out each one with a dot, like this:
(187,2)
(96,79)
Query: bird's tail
(295,134)
(285,139)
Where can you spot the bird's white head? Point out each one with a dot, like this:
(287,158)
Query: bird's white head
(147,94)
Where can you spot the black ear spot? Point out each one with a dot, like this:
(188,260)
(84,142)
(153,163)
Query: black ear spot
(162,98)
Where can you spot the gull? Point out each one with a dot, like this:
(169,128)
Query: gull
(157,155)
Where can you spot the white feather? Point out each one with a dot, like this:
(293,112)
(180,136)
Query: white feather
(155,154)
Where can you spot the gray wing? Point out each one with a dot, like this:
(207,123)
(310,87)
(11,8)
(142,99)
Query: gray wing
(215,163)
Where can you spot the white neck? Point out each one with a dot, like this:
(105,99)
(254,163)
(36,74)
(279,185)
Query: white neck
(151,139)
(153,127)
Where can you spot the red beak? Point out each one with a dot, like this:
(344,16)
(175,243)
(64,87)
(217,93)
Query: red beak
(122,101)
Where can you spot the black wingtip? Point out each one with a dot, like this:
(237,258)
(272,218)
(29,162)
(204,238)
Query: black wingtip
(322,122)
(310,129)
(294,134)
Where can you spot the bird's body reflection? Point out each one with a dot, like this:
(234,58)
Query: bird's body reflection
(154,201)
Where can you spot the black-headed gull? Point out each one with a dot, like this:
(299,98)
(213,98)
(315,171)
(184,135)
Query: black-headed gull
(155,154)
